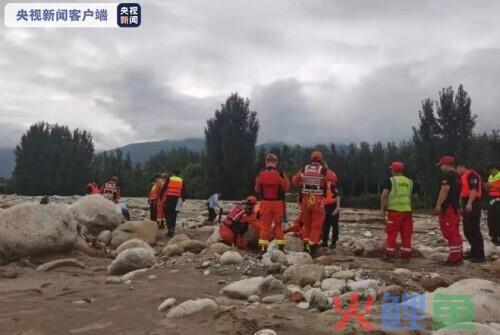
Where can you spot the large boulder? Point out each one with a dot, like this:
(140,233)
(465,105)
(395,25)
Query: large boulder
(245,288)
(144,230)
(484,295)
(97,213)
(131,259)
(32,229)
(304,274)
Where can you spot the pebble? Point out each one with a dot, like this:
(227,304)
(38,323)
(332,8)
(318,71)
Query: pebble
(167,304)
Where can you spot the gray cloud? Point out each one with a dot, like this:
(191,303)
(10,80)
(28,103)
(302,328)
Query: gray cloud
(314,70)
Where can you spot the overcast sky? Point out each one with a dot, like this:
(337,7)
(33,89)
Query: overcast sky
(315,71)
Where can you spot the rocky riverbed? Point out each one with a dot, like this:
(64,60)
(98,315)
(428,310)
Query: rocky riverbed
(140,282)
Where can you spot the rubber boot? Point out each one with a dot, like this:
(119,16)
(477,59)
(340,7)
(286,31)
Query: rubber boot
(281,247)
(314,250)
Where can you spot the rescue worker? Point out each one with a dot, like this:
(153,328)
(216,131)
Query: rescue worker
(213,206)
(111,191)
(297,227)
(153,197)
(313,180)
(174,193)
(93,187)
(332,208)
(239,220)
(447,207)
(494,208)
(161,189)
(470,197)
(271,186)
(396,201)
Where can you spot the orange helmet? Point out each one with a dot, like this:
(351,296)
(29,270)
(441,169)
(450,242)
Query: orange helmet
(251,200)
(114,178)
(317,156)
(271,158)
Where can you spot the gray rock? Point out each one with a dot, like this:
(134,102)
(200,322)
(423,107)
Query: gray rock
(331,284)
(231,257)
(296,258)
(144,230)
(484,293)
(478,329)
(319,301)
(245,288)
(278,256)
(191,307)
(178,238)
(181,247)
(346,274)
(367,247)
(134,243)
(167,304)
(59,263)
(97,213)
(305,274)
(254,298)
(104,237)
(216,248)
(271,299)
(32,230)
(131,259)
(362,285)
(266,332)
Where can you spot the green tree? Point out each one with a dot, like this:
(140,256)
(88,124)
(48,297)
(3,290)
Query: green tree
(52,160)
(230,137)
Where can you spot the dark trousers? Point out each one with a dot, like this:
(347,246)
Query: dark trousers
(211,214)
(494,221)
(331,223)
(171,213)
(472,229)
(152,209)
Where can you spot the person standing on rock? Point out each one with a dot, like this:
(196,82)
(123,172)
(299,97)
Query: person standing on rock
(494,208)
(153,197)
(161,189)
(312,181)
(448,209)
(175,191)
(470,196)
(271,185)
(396,201)
(213,206)
(332,208)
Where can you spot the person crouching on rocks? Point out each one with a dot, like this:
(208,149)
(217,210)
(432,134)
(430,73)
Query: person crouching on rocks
(238,221)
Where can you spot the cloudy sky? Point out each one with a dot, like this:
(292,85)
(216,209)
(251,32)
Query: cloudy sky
(315,71)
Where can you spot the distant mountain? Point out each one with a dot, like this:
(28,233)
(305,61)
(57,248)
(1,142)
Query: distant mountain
(141,152)
(7,162)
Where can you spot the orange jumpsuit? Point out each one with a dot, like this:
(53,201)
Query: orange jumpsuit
(312,181)
(233,228)
(160,202)
(271,186)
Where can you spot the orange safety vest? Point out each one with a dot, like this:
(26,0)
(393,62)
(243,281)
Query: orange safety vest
(329,198)
(109,190)
(313,179)
(465,190)
(153,194)
(494,188)
(174,188)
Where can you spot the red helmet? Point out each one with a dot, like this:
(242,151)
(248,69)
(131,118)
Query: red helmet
(251,200)
(114,178)
(446,160)
(397,166)
(316,156)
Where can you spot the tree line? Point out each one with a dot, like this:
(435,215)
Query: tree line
(53,160)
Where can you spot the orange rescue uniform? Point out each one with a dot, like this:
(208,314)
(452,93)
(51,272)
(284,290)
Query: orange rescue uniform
(313,180)
(271,185)
(234,227)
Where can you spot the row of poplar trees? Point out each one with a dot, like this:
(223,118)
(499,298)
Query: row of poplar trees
(53,160)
